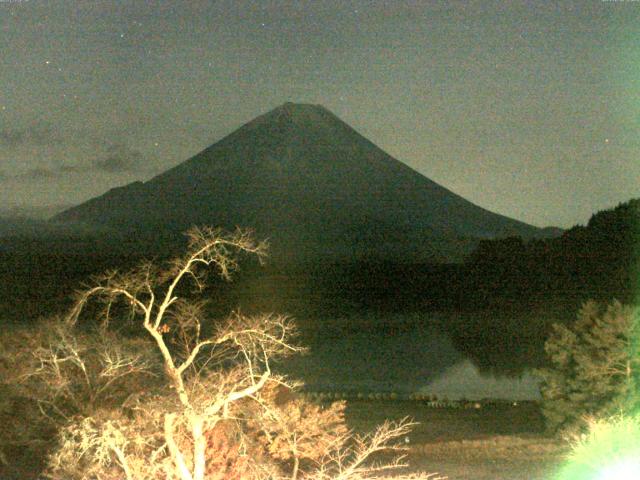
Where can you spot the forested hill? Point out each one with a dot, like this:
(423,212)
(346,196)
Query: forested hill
(600,260)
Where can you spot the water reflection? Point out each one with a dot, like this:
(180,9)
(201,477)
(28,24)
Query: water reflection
(400,357)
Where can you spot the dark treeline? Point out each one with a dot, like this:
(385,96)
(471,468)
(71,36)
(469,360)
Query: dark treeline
(598,261)
(498,306)
(514,291)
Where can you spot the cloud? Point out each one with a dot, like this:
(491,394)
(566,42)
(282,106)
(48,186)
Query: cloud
(119,158)
(43,173)
(38,133)
(10,137)
(69,169)
(38,173)
(111,159)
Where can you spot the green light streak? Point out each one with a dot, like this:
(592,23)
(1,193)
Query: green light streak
(610,450)
(628,469)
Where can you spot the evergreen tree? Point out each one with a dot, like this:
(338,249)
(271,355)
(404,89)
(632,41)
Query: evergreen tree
(594,366)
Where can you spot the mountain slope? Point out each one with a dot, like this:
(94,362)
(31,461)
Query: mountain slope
(313,185)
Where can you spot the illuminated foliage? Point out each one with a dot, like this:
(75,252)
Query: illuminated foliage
(595,366)
(51,373)
(609,450)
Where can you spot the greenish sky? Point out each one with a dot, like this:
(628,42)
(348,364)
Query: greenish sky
(527,108)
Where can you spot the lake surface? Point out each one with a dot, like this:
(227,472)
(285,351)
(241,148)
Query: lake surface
(400,354)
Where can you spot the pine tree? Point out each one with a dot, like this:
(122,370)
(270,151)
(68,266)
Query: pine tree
(594,366)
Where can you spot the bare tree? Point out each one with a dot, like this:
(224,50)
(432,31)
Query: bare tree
(176,326)
(350,456)
(218,413)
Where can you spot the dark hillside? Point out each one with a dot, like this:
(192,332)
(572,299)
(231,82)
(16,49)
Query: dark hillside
(600,261)
(518,289)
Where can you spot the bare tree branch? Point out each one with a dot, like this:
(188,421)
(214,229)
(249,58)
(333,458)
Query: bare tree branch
(217,375)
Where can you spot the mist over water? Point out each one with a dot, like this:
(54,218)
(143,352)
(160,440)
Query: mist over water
(464,380)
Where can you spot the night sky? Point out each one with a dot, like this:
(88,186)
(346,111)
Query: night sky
(530,109)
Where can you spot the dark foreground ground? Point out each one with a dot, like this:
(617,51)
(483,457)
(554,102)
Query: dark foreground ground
(502,442)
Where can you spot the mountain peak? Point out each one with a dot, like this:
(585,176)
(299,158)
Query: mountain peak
(308,181)
(299,113)
(301,107)
(294,105)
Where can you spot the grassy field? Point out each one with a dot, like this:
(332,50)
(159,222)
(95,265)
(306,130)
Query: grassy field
(503,442)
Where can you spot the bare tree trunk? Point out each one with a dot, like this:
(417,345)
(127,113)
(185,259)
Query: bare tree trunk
(174,451)
(296,466)
(199,447)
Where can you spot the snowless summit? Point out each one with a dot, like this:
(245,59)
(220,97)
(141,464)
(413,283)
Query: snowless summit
(315,187)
